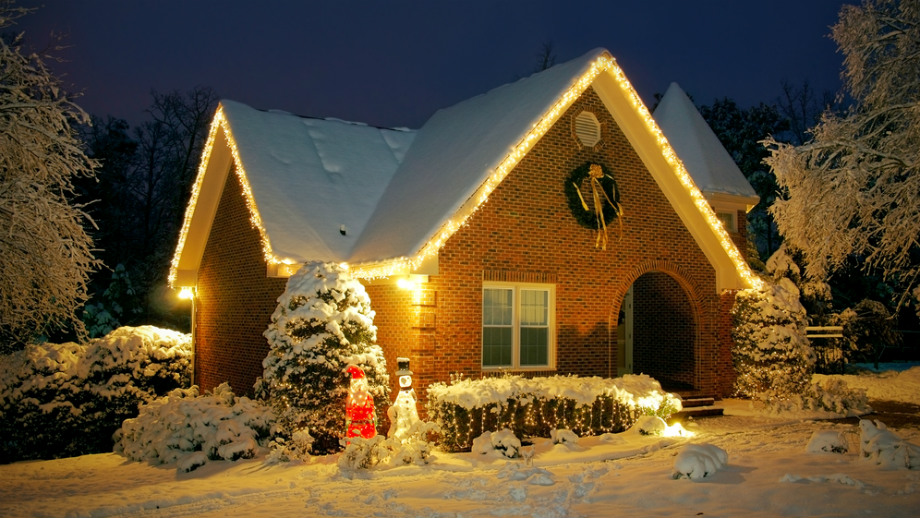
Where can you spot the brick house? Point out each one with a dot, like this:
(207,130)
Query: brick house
(463,233)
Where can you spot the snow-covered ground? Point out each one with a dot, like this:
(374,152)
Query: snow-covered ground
(769,472)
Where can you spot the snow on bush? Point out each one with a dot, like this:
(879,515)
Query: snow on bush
(534,407)
(563,436)
(771,355)
(188,430)
(826,394)
(697,461)
(323,324)
(68,399)
(650,425)
(828,441)
(502,441)
(383,452)
(880,445)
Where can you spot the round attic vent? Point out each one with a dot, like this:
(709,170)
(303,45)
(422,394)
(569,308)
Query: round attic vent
(587,129)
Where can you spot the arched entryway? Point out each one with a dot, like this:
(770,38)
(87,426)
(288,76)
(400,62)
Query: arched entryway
(657,331)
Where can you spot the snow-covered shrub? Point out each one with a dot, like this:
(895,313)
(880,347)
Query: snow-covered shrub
(771,354)
(881,446)
(650,425)
(697,461)
(827,394)
(502,441)
(828,441)
(68,399)
(323,324)
(534,407)
(380,451)
(188,430)
(563,436)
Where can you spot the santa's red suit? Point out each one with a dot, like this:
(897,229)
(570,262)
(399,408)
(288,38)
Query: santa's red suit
(360,415)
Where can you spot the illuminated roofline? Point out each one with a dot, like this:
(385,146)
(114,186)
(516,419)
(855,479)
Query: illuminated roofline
(604,63)
(220,123)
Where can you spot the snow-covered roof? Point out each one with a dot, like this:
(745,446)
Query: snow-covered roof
(454,154)
(712,168)
(398,194)
(313,178)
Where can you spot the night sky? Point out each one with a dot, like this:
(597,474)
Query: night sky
(394,62)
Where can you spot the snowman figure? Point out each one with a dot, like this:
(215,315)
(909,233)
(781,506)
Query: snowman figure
(403,413)
(360,414)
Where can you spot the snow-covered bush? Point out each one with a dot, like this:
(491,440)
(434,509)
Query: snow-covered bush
(188,430)
(534,407)
(829,395)
(881,446)
(380,451)
(502,441)
(828,441)
(68,399)
(697,461)
(323,324)
(771,354)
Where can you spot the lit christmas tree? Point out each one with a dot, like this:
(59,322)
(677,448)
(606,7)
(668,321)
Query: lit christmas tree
(323,325)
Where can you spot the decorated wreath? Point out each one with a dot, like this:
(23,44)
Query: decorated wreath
(595,208)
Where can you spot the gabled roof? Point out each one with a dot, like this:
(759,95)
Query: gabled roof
(712,168)
(425,183)
(310,184)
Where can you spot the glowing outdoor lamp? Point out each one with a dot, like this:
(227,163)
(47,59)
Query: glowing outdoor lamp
(187,293)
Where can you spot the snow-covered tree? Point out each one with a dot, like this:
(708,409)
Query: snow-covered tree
(771,354)
(46,253)
(322,325)
(853,191)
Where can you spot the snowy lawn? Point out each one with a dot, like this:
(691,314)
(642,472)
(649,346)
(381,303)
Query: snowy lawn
(769,472)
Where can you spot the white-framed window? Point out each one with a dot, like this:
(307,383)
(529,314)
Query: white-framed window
(728,221)
(518,325)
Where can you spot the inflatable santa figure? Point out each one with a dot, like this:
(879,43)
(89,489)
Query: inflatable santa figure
(360,415)
(403,413)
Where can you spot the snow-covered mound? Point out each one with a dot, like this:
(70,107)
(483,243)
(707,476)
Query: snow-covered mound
(883,447)
(697,461)
(827,441)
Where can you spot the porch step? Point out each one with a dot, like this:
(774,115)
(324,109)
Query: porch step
(698,406)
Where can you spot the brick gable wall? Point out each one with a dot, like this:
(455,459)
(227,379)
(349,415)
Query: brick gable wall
(235,298)
(526,229)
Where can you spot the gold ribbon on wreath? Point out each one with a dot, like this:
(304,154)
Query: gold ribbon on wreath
(595,173)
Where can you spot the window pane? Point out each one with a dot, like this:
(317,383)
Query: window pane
(534,345)
(534,307)
(496,346)
(496,307)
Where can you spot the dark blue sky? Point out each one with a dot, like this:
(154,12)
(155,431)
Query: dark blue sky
(394,62)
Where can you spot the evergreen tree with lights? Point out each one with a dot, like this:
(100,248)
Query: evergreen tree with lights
(323,324)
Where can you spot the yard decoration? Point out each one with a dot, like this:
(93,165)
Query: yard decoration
(403,414)
(603,189)
(360,414)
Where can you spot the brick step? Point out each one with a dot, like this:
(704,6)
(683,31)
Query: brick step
(692,402)
(700,411)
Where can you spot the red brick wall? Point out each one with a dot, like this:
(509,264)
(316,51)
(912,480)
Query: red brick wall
(235,298)
(526,228)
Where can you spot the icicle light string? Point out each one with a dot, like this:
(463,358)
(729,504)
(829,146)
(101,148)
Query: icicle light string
(404,265)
